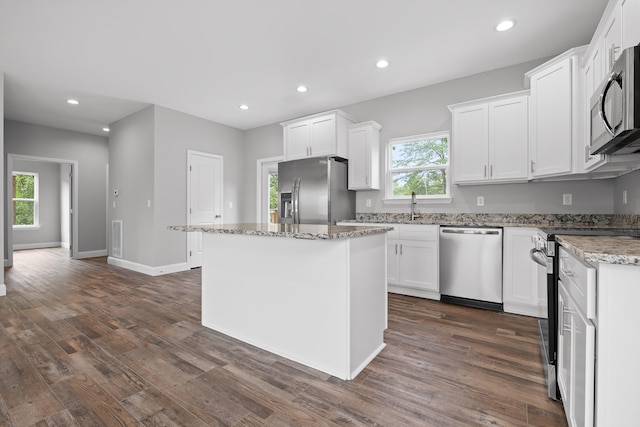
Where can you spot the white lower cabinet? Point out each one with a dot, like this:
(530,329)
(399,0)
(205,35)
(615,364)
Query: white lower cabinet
(524,283)
(412,260)
(576,339)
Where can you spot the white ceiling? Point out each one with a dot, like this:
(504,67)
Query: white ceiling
(206,57)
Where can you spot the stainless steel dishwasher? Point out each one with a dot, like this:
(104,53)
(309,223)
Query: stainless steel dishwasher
(471,266)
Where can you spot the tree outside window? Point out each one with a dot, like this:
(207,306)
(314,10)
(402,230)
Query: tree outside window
(418,163)
(25,199)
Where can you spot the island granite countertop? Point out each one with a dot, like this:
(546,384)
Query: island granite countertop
(296,231)
(609,249)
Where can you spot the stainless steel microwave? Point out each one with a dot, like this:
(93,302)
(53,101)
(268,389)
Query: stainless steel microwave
(615,108)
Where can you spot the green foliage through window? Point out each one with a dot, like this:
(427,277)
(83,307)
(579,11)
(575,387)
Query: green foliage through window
(24,198)
(419,164)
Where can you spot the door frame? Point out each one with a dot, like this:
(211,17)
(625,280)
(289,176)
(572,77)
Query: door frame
(191,236)
(8,262)
(261,165)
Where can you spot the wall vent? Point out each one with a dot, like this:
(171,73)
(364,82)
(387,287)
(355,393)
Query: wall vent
(116,238)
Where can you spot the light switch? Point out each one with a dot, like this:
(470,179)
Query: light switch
(368,203)
(567,199)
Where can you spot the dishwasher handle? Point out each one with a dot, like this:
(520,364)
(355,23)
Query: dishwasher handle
(468,231)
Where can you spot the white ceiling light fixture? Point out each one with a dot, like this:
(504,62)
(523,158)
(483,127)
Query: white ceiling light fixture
(244,107)
(106,129)
(505,25)
(302,88)
(73,101)
(382,63)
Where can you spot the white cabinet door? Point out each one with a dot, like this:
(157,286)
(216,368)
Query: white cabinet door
(583,339)
(297,140)
(323,136)
(564,347)
(612,37)
(521,290)
(550,120)
(508,136)
(418,264)
(630,17)
(393,252)
(364,156)
(592,77)
(470,143)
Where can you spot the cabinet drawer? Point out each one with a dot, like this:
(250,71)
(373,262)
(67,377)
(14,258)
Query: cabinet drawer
(419,232)
(580,280)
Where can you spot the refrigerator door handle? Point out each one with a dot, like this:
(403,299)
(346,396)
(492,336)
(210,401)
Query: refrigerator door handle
(296,201)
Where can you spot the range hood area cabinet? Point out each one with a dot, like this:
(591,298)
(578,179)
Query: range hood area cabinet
(364,156)
(555,117)
(490,139)
(320,135)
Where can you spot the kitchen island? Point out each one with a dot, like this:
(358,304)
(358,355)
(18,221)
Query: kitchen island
(314,294)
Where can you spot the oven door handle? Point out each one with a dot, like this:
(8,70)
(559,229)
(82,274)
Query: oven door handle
(538,257)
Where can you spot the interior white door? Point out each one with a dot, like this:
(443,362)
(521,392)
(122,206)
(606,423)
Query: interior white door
(204,199)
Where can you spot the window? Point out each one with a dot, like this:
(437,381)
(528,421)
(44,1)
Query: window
(418,163)
(25,200)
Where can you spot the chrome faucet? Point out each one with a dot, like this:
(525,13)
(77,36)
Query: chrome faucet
(413,205)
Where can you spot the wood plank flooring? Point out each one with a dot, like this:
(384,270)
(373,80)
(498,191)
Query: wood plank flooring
(83,343)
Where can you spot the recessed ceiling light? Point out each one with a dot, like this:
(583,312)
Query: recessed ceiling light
(73,101)
(106,129)
(244,107)
(302,88)
(505,25)
(382,63)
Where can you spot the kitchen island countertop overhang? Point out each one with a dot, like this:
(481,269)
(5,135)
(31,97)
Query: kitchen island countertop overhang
(318,296)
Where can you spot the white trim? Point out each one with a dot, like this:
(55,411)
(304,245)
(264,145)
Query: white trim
(260,163)
(42,245)
(148,270)
(75,180)
(92,254)
(35,200)
(3,289)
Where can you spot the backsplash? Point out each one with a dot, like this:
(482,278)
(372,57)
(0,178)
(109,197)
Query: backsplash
(505,220)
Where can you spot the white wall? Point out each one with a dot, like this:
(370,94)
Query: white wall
(48,234)
(91,153)
(3,251)
(424,110)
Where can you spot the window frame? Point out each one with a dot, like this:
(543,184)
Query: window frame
(390,198)
(35,200)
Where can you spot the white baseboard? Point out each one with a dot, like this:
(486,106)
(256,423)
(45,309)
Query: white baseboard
(92,254)
(3,290)
(65,245)
(525,310)
(145,269)
(413,292)
(42,245)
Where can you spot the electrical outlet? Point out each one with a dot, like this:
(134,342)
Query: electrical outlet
(480,200)
(624,197)
(367,203)
(567,199)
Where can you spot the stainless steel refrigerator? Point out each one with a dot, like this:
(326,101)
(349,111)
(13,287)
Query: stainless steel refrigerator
(314,191)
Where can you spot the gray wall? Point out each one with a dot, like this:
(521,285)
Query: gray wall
(91,153)
(176,133)
(3,289)
(49,205)
(631,183)
(148,161)
(131,173)
(424,110)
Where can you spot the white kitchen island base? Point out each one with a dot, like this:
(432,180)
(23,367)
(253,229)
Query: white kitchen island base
(319,302)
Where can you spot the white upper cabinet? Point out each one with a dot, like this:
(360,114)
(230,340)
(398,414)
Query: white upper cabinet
(630,16)
(364,156)
(490,141)
(612,38)
(323,134)
(555,116)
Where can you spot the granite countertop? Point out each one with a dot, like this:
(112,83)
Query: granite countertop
(299,231)
(610,249)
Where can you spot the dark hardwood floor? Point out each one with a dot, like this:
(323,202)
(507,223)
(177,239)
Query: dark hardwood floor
(88,344)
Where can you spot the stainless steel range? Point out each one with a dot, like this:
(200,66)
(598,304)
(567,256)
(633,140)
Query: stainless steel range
(545,254)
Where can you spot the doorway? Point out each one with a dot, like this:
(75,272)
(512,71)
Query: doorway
(267,190)
(204,198)
(66,183)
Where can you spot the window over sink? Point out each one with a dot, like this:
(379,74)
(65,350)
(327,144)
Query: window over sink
(418,163)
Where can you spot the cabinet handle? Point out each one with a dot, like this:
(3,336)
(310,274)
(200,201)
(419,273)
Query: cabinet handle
(400,248)
(533,166)
(612,55)
(491,171)
(485,171)
(310,151)
(396,249)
